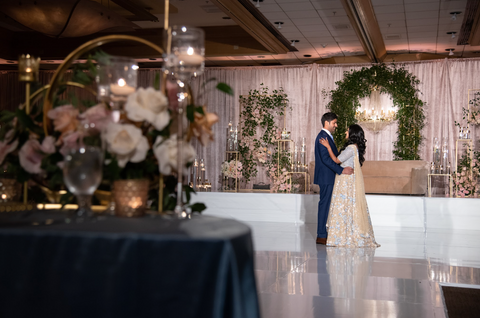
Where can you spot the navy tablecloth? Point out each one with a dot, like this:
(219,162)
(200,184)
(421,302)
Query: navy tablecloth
(117,267)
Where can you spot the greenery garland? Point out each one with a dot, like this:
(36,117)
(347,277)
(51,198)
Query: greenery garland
(393,80)
(259,109)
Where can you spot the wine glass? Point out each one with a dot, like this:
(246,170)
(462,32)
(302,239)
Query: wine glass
(82,174)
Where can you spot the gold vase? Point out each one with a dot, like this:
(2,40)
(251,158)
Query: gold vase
(10,190)
(130,197)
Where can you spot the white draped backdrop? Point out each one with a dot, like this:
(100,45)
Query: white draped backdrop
(443,85)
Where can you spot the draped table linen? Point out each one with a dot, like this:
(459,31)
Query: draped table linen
(141,267)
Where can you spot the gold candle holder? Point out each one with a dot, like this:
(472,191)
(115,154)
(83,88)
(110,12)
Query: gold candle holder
(28,68)
(130,197)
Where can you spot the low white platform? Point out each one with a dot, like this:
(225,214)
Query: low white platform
(385,210)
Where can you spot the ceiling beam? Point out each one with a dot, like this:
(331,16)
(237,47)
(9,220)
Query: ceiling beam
(244,13)
(363,19)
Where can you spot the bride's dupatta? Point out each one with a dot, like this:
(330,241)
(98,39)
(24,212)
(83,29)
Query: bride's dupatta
(360,218)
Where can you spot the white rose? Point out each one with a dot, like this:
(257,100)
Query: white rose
(166,153)
(126,142)
(149,105)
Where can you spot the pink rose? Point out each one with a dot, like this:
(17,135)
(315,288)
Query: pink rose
(70,141)
(32,153)
(7,145)
(97,117)
(64,118)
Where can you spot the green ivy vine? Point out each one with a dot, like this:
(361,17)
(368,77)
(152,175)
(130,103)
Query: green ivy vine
(259,109)
(393,80)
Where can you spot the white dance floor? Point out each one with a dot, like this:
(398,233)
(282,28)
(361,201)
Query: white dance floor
(385,210)
(425,243)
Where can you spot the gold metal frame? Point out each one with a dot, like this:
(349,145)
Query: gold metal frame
(470,143)
(236,155)
(84,48)
(306,178)
(283,142)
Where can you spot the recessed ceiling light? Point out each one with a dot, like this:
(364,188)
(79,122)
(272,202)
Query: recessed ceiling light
(152,59)
(451,51)
(454,15)
(452,33)
(261,57)
(279,24)
(307,55)
(294,41)
(226,18)
(10,62)
(49,61)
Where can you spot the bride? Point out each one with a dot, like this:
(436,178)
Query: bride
(349,223)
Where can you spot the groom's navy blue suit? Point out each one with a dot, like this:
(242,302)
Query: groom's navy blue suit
(325,169)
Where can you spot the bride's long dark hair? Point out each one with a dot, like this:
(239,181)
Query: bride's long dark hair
(356,136)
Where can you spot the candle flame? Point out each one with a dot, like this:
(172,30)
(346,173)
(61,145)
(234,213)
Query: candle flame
(121,82)
(28,70)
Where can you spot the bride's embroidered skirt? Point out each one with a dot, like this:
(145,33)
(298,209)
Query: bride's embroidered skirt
(346,214)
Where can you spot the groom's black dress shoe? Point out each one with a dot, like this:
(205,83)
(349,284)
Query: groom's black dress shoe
(321,240)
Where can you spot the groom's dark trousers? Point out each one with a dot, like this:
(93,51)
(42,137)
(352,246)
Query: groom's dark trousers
(325,170)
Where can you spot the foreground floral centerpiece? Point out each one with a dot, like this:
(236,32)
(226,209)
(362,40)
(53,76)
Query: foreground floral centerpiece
(139,142)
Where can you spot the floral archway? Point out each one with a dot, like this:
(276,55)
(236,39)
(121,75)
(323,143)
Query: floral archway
(400,85)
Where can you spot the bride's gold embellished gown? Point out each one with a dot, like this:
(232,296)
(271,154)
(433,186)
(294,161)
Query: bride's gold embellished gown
(349,223)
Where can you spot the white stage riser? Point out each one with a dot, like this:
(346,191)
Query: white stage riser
(385,210)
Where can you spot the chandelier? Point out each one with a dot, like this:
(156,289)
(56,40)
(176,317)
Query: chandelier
(373,116)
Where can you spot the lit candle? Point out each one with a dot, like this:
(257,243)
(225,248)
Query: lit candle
(190,58)
(28,68)
(135,202)
(122,88)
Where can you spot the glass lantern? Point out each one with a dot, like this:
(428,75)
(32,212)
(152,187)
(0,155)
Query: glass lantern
(116,79)
(187,52)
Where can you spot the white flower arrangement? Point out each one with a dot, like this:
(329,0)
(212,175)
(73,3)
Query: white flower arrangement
(232,169)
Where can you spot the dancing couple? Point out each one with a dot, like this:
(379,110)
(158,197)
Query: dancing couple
(343,217)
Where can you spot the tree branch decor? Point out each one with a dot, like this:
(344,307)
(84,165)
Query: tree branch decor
(400,85)
(259,109)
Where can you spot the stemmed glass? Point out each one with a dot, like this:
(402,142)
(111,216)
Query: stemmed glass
(82,174)
(184,58)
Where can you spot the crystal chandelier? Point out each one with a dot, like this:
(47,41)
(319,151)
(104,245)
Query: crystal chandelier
(374,116)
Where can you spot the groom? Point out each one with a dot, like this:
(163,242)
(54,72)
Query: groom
(325,169)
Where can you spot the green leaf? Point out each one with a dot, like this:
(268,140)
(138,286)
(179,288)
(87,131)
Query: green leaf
(24,119)
(225,88)
(6,116)
(156,81)
(198,207)
(81,77)
(199,110)
(190,113)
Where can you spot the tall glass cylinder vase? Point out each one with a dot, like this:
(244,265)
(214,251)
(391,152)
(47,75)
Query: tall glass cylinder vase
(185,47)
(436,154)
(445,161)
